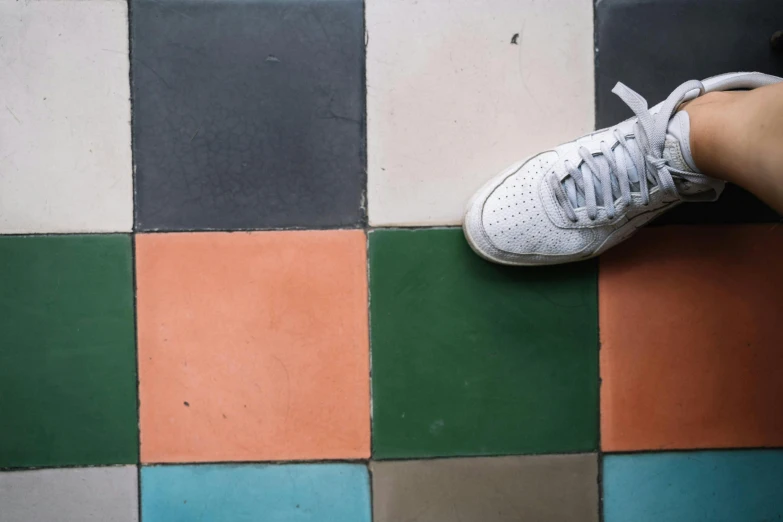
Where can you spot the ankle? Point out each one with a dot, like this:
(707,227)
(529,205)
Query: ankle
(709,132)
(735,137)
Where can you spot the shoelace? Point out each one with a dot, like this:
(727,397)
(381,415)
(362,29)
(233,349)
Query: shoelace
(612,174)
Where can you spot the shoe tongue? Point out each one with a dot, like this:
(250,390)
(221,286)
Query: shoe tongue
(677,149)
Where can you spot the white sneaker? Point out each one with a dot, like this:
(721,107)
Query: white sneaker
(579,199)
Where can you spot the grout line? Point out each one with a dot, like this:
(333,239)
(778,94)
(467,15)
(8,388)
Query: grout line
(600,457)
(357,461)
(368,276)
(295,228)
(414,227)
(367,461)
(133,257)
(366,228)
(595,64)
(689,450)
(358,226)
(600,460)
(138,377)
(286,462)
(74,233)
(364,135)
(66,467)
(134,196)
(372,491)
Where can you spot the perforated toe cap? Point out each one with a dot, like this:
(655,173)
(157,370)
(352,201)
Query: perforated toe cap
(507,221)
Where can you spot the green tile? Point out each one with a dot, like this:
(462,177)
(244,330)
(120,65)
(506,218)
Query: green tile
(471,358)
(67,354)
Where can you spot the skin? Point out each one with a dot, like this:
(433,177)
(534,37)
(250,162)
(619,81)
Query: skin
(738,137)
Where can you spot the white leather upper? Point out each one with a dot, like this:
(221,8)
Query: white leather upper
(515,218)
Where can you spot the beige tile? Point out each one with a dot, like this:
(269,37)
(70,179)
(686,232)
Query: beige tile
(65,150)
(451,100)
(70,495)
(560,488)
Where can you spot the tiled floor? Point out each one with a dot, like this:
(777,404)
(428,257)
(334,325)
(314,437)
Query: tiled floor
(224,326)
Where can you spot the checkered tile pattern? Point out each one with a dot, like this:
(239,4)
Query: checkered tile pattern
(232,287)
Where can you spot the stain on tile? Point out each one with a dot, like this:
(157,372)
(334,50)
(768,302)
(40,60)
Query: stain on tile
(70,495)
(453,102)
(683,487)
(248,114)
(245,493)
(471,358)
(690,339)
(65,153)
(253,346)
(733,36)
(553,488)
(67,368)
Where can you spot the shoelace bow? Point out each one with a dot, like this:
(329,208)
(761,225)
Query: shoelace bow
(647,157)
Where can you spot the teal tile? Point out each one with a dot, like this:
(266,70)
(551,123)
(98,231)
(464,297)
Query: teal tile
(471,358)
(708,486)
(245,493)
(67,351)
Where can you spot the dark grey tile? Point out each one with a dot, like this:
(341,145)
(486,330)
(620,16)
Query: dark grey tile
(654,46)
(546,488)
(248,113)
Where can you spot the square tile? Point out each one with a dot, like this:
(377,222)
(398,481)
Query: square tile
(253,346)
(497,489)
(458,90)
(245,493)
(684,487)
(67,351)
(634,50)
(65,149)
(248,113)
(70,495)
(471,358)
(690,339)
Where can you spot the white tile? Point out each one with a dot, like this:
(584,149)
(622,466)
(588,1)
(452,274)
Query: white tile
(70,495)
(451,101)
(65,150)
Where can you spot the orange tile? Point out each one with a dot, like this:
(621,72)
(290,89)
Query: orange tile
(253,346)
(692,346)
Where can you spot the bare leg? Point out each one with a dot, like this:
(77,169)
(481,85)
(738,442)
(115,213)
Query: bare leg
(738,137)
